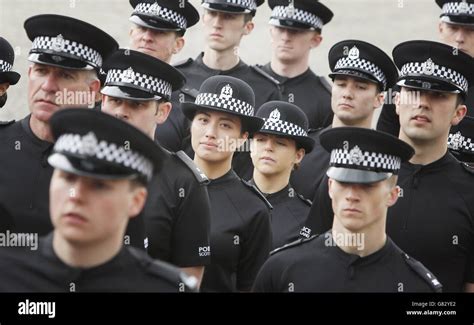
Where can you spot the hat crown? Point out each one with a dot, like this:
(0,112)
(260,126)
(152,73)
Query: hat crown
(228,89)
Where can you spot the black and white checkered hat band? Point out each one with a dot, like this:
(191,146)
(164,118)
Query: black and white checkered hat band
(229,103)
(283,127)
(444,73)
(365,160)
(364,65)
(458,142)
(5,66)
(301,16)
(88,145)
(248,4)
(162,13)
(139,80)
(458,8)
(61,45)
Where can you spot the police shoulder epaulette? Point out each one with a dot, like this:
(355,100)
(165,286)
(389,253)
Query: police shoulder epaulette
(6,123)
(183,63)
(192,92)
(265,74)
(468,167)
(295,243)
(305,200)
(422,271)
(200,176)
(325,84)
(164,270)
(257,191)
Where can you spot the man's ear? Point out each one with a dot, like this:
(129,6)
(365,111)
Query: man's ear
(316,40)
(162,112)
(299,155)
(3,88)
(459,114)
(393,195)
(138,201)
(94,88)
(178,44)
(248,28)
(379,100)
(330,186)
(397,102)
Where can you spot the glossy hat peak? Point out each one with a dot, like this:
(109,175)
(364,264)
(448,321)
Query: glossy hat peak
(360,59)
(286,120)
(68,42)
(360,155)
(232,6)
(299,14)
(95,144)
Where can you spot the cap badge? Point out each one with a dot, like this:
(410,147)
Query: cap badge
(456,141)
(155,9)
(290,10)
(428,67)
(463,7)
(88,144)
(356,156)
(226,92)
(274,115)
(128,75)
(58,43)
(354,53)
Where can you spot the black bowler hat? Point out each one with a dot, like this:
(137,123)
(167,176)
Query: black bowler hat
(458,12)
(299,14)
(461,140)
(433,66)
(7,58)
(167,15)
(232,6)
(363,60)
(67,42)
(228,95)
(95,144)
(137,76)
(360,155)
(286,120)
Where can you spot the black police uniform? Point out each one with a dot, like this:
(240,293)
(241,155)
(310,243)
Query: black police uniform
(131,270)
(240,221)
(311,265)
(177,213)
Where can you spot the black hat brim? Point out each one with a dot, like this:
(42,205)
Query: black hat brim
(213,5)
(356,74)
(356,176)
(252,123)
(436,85)
(10,77)
(153,23)
(128,93)
(290,24)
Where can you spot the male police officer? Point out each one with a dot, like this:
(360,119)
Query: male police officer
(361,73)
(295,30)
(65,55)
(102,166)
(432,220)
(356,255)
(8,77)
(456,28)
(137,90)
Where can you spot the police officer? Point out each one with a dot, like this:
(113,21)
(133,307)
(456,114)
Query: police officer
(158,30)
(225,23)
(276,150)
(222,118)
(295,30)
(356,255)
(456,28)
(65,55)
(8,77)
(432,220)
(98,184)
(361,73)
(177,214)
(461,140)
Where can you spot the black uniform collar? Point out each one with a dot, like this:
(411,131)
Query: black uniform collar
(277,196)
(268,68)
(229,176)
(356,260)
(240,66)
(441,163)
(25,124)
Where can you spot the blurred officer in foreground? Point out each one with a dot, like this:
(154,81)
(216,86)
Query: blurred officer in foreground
(461,140)
(8,77)
(222,118)
(356,255)
(276,150)
(137,90)
(295,30)
(65,56)
(102,166)
(456,28)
